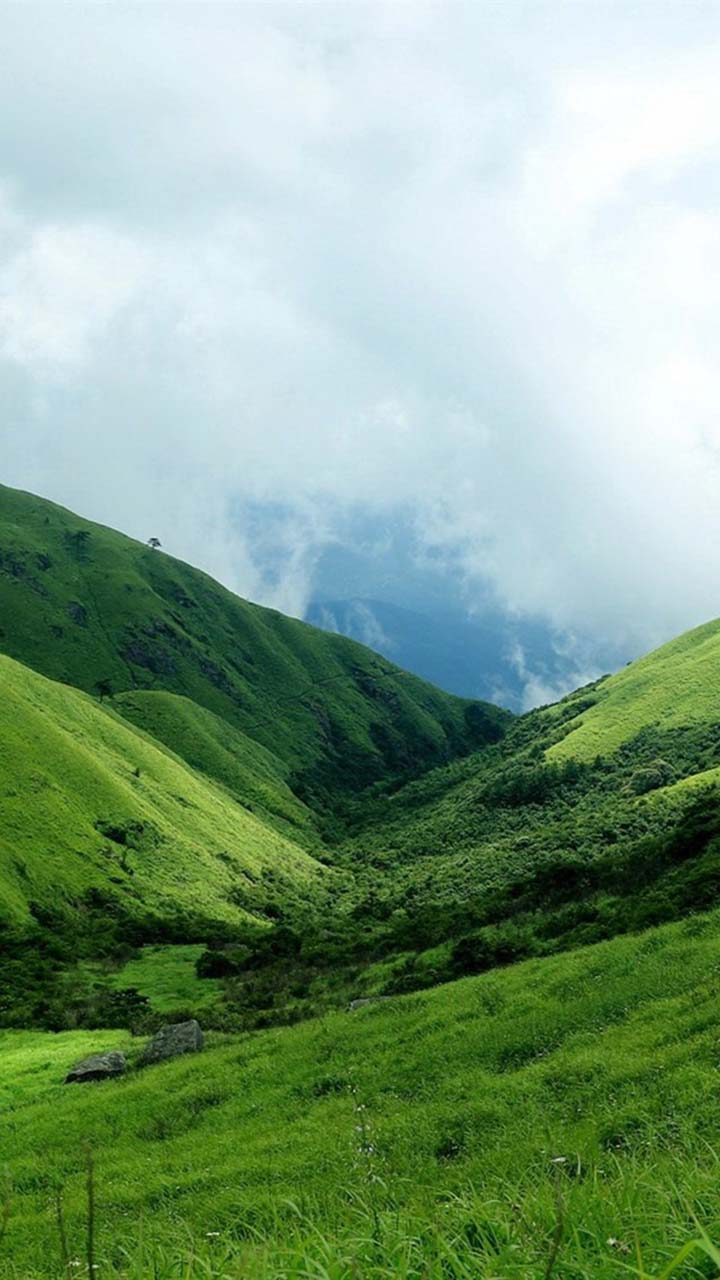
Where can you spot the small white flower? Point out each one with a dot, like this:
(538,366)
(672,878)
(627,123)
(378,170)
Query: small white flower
(620,1245)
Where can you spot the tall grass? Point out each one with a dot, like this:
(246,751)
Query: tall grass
(462,1243)
(553,1121)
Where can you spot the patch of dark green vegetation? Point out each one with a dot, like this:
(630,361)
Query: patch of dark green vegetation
(53,975)
(494,860)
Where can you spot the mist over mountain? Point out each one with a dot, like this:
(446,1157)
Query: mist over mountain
(318,260)
(380,586)
(513,663)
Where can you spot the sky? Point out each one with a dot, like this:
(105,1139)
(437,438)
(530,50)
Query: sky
(274,273)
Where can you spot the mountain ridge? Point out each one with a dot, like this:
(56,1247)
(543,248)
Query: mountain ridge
(83,604)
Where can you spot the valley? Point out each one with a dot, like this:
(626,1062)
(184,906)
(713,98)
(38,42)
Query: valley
(209,810)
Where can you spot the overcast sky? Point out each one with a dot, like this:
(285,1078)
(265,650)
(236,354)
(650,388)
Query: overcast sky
(454,264)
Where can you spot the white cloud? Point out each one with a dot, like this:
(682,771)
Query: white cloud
(60,291)
(351,256)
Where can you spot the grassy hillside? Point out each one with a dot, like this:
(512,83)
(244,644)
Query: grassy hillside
(467,1131)
(92,806)
(675,686)
(83,604)
(211,745)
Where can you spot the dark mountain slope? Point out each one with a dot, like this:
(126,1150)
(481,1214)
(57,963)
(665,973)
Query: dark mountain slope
(85,605)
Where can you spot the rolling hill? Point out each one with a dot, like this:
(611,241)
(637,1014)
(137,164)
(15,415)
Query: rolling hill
(174,758)
(90,805)
(89,607)
(675,687)
(598,815)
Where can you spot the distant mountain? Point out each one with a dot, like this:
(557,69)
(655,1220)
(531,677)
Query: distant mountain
(493,657)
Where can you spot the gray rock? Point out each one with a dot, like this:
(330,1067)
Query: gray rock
(100,1066)
(171,1041)
(363,1000)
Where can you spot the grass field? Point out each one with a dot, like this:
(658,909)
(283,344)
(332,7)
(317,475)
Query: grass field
(167,976)
(467,1122)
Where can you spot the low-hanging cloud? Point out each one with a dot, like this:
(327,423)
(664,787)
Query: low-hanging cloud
(324,258)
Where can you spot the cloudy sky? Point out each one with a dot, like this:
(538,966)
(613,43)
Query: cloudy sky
(271,272)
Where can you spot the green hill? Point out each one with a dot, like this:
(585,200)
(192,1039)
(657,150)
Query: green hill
(589,818)
(674,687)
(84,605)
(187,795)
(593,817)
(90,805)
(214,747)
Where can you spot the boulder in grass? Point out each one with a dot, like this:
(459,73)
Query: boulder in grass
(171,1041)
(100,1066)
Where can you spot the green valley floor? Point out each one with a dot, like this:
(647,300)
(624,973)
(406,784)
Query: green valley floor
(559,1117)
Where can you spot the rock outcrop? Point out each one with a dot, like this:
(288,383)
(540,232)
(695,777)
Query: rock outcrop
(171,1041)
(99,1066)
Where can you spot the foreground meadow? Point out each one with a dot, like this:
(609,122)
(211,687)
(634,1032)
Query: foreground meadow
(560,1117)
